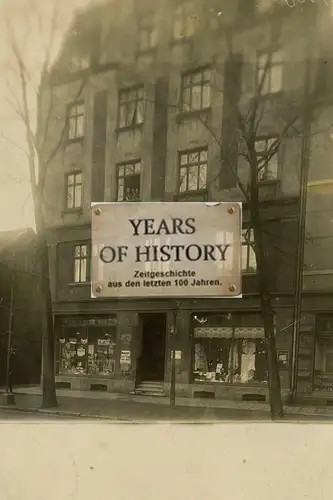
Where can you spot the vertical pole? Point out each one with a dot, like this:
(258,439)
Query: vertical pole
(9,340)
(173,361)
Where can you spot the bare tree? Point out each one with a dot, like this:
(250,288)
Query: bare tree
(37,116)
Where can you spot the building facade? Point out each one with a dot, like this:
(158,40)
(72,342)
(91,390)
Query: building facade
(20,299)
(142,93)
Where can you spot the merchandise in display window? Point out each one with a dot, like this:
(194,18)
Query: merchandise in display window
(233,355)
(88,348)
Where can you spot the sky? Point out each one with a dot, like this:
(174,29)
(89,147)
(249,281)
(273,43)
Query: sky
(16,208)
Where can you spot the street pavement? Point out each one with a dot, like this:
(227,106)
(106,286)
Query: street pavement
(28,407)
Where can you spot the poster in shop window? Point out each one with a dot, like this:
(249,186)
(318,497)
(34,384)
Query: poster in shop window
(166,249)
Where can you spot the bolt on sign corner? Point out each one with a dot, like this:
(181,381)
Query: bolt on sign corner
(166,250)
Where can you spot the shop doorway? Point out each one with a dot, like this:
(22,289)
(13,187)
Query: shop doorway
(152,359)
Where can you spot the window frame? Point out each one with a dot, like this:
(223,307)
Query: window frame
(129,90)
(73,173)
(125,164)
(75,117)
(270,68)
(147,24)
(203,83)
(249,250)
(79,259)
(263,154)
(182,13)
(188,165)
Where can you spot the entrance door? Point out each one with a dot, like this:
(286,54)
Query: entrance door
(152,359)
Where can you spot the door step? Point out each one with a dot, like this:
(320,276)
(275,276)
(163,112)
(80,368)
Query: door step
(147,388)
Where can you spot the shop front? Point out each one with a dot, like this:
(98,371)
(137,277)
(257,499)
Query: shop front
(218,354)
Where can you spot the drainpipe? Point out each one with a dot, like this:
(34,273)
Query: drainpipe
(304,177)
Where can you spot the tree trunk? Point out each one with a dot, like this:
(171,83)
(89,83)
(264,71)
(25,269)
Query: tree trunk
(49,397)
(274,385)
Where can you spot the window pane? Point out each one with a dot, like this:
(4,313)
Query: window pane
(203,155)
(194,157)
(196,97)
(183,159)
(192,178)
(83,270)
(183,180)
(260,146)
(84,250)
(250,360)
(70,197)
(77,270)
(197,78)
(272,168)
(203,177)
(80,109)
(80,126)
(276,78)
(252,260)
(71,128)
(263,82)
(70,180)
(78,178)
(245,257)
(77,251)
(78,196)
(140,111)
(137,168)
(120,191)
(131,113)
(277,57)
(213,360)
(122,115)
(129,170)
(121,171)
(187,99)
(206,96)
(262,60)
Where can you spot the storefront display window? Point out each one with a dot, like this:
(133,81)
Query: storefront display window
(88,348)
(323,379)
(234,355)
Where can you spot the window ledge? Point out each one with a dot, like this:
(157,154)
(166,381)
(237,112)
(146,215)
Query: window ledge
(76,211)
(81,283)
(181,41)
(197,113)
(249,273)
(129,128)
(75,140)
(269,182)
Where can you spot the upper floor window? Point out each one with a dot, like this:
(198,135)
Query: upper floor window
(196,90)
(81,263)
(129,181)
(76,121)
(184,21)
(193,170)
(147,32)
(269,72)
(74,190)
(131,107)
(267,159)
(249,262)
(264,5)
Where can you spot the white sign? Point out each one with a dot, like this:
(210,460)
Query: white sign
(125,357)
(166,249)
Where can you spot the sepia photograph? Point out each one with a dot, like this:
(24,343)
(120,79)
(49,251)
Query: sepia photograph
(166,215)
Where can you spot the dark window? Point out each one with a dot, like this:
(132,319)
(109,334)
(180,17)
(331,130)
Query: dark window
(193,170)
(74,190)
(196,90)
(269,72)
(131,107)
(147,32)
(76,121)
(129,181)
(249,263)
(267,159)
(81,263)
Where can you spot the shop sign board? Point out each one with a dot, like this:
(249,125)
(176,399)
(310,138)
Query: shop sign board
(125,357)
(166,250)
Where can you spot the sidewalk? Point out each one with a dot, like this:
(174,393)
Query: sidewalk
(124,407)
